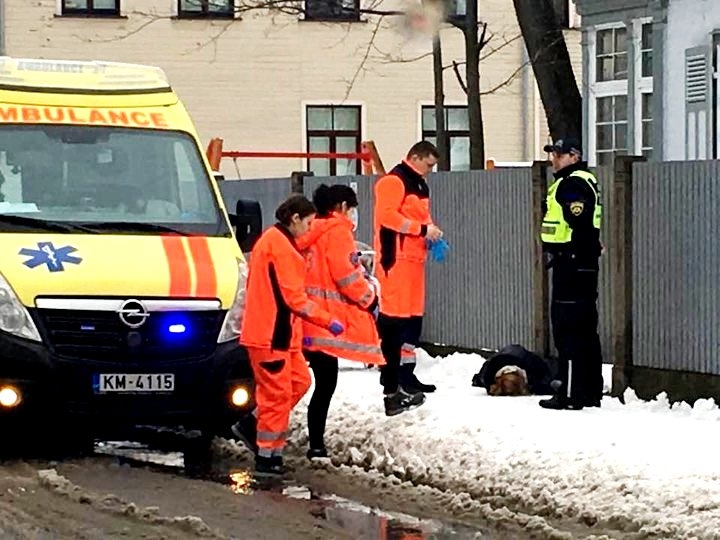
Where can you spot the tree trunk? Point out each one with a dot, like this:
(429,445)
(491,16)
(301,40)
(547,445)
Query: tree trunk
(440,128)
(472,78)
(552,67)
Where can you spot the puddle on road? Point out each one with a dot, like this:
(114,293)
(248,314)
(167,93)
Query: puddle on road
(361,521)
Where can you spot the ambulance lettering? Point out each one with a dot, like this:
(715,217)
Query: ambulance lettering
(73,115)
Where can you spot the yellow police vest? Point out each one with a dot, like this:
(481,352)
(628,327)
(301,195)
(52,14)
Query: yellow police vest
(555,229)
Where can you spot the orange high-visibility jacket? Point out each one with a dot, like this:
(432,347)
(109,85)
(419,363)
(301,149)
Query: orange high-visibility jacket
(275,298)
(401,217)
(335,281)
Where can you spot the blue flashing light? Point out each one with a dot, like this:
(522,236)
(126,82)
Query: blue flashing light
(177,328)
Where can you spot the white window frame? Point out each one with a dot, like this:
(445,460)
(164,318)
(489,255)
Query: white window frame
(574,19)
(643,85)
(600,89)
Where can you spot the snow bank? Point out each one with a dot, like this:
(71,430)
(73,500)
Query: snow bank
(642,467)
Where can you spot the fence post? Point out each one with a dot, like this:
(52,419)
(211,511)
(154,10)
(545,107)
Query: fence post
(621,283)
(541,293)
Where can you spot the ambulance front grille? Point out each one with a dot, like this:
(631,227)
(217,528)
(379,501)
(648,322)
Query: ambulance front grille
(101,336)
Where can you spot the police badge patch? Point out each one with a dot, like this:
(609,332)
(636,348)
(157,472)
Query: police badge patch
(576,208)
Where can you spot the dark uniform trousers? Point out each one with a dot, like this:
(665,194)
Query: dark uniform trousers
(574,318)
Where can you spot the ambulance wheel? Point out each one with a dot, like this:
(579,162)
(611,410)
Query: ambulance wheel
(198,454)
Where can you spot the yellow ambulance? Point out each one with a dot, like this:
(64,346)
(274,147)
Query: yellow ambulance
(121,278)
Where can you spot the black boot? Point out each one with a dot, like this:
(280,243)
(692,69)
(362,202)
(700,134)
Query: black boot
(400,401)
(246,431)
(559,403)
(316,453)
(269,466)
(410,382)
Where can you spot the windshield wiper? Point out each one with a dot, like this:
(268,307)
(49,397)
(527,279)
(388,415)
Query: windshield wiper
(44,224)
(131,226)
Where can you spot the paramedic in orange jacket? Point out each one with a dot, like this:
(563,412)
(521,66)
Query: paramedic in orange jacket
(335,280)
(402,224)
(272,332)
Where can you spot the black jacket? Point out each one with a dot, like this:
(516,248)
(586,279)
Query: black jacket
(538,371)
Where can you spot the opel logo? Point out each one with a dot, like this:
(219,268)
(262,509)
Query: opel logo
(133,313)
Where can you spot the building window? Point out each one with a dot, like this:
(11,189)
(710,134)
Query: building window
(611,129)
(457,9)
(333,129)
(457,125)
(611,54)
(646,49)
(332,10)
(96,8)
(646,119)
(206,8)
(620,96)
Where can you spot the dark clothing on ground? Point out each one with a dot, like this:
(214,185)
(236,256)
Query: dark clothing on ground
(325,371)
(538,371)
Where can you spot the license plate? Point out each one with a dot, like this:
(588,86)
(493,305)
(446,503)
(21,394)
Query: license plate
(133,382)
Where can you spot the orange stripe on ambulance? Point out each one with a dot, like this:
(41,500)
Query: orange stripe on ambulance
(70,115)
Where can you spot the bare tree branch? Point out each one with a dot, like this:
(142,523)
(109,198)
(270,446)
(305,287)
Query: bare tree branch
(456,69)
(363,61)
(506,82)
(211,40)
(504,44)
(152,19)
(483,40)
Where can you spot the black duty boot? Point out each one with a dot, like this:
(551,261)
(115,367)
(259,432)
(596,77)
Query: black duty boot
(592,402)
(317,453)
(246,431)
(400,402)
(410,382)
(269,466)
(413,386)
(559,403)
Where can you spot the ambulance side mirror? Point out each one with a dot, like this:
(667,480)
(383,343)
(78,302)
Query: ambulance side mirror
(247,221)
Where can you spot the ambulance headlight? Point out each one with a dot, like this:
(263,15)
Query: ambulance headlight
(231,326)
(14,318)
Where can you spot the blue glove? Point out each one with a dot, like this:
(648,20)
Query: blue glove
(336,328)
(438,249)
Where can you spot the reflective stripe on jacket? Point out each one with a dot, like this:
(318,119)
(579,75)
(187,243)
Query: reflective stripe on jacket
(401,218)
(335,280)
(555,228)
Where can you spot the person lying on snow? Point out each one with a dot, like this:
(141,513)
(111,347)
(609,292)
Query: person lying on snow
(514,371)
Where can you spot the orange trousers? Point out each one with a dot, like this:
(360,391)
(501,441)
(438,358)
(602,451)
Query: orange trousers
(281,380)
(402,289)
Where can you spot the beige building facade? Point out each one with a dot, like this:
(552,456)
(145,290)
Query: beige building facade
(321,79)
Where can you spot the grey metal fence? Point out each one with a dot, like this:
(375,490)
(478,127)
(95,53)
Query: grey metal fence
(676,266)
(269,192)
(605,177)
(481,296)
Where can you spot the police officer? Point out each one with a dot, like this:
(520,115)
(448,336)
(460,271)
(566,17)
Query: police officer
(571,237)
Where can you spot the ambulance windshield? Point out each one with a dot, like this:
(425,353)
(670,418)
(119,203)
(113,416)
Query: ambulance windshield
(106,180)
